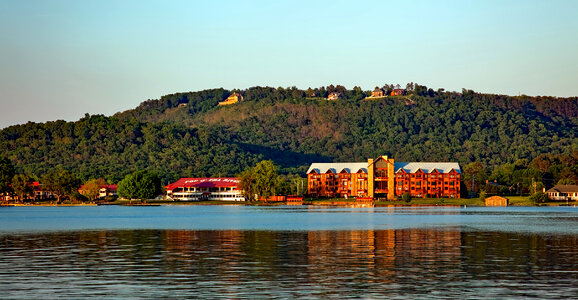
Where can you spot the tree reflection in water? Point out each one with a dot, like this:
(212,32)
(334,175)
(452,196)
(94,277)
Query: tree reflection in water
(447,262)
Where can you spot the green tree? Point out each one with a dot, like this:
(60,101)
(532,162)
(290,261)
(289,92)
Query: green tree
(406,197)
(566,181)
(22,186)
(539,197)
(140,185)
(261,180)
(6,174)
(266,178)
(91,188)
(246,183)
(483,195)
(476,171)
(62,183)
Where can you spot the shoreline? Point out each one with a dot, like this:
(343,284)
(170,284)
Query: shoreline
(305,203)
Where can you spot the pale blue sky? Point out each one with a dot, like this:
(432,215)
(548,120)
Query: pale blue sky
(61,59)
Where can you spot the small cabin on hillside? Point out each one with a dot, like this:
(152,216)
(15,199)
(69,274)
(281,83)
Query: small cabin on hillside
(398,92)
(334,96)
(233,98)
(377,93)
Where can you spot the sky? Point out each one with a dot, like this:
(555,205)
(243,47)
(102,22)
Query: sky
(60,59)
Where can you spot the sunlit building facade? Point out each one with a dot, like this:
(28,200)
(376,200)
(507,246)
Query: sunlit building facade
(197,189)
(384,178)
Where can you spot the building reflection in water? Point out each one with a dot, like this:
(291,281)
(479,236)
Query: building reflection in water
(293,263)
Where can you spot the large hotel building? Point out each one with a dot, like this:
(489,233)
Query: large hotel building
(384,178)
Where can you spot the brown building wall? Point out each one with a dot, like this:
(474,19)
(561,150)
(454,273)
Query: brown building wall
(381,181)
(435,184)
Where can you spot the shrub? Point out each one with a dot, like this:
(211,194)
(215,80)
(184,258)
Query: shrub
(483,195)
(76,196)
(406,197)
(539,197)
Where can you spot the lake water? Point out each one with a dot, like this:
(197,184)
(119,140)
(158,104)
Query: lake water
(288,252)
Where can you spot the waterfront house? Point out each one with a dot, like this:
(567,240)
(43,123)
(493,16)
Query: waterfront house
(197,189)
(563,193)
(107,190)
(233,98)
(40,193)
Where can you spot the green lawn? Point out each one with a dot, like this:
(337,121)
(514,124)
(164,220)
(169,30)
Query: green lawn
(514,201)
(434,201)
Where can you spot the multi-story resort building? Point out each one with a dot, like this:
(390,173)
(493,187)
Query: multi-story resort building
(196,189)
(384,178)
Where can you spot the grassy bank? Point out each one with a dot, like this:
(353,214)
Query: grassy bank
(513,200)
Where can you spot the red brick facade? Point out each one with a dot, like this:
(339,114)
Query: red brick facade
(383,178)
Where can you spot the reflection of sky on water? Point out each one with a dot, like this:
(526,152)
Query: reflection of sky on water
(416,263)
(556,220)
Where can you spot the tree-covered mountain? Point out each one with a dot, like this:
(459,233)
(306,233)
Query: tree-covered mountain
(187,134)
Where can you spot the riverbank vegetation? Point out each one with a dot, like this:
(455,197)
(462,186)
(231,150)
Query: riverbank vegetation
(508,145)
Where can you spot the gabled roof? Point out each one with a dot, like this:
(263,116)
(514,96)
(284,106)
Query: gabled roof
(350,167)
(204,182)
(563,189)
(427,167)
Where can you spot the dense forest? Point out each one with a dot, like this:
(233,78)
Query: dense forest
(187,134)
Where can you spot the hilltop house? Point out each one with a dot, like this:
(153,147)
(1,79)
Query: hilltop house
(334,96)
(233,98)
(377,93)
(398,92)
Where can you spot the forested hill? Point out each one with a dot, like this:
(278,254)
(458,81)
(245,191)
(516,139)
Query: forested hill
(294,128)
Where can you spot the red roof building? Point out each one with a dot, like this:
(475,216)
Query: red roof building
(197,189)
(107,190)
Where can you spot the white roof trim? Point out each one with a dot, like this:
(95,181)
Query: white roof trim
(427,167)
(351,167)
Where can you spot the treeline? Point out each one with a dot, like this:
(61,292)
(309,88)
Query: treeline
(295,127)
(98,146)
(522,176)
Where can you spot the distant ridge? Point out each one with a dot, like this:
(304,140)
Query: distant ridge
(189,135)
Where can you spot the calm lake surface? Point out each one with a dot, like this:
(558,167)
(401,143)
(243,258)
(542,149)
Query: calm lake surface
(288,252)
